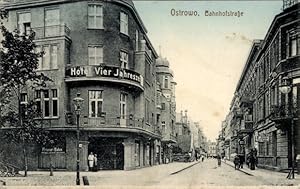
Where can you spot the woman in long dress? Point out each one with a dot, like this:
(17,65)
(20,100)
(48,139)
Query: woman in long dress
(91,161)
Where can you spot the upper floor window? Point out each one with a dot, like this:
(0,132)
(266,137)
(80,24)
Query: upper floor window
(148,71)
(123,99)
(136,40)
(24,23)
(52,23)
(95,16)
(295,46)
(95,103)
(124,59)
(50,58)
(166,82)
(95,54)
(47,102)
(124,23)
(23,98)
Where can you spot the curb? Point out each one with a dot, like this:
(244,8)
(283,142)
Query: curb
(239,169)
(185,168)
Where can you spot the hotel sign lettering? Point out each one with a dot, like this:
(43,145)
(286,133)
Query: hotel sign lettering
(104,71)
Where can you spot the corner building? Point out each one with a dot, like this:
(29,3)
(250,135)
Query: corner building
(98,49)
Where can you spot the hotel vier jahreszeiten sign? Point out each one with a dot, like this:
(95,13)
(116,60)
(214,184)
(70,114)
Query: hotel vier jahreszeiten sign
(104,71)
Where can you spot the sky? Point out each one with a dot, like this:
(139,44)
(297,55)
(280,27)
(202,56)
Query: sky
(206,53)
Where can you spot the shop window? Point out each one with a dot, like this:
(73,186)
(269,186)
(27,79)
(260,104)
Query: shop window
(95,54)
(95,16)
(95,103)
(124,23)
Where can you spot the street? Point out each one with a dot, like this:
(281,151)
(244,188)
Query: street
(175,174)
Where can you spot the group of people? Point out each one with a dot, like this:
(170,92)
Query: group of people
(93,162)
(251,160)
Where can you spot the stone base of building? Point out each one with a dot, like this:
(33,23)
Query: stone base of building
(115,151)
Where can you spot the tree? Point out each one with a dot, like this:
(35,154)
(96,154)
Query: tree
(18,64)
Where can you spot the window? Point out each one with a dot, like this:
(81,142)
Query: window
(52,23)
(124,60)
(166,82)
(23,98)
(147,111)
(24,22)
(95,103)
(50,59)
(147,71)
(163,125)
(293,47)
(54,103)
(95,55)
(124,23)
(95,17)
(38,100)
(136,40)
(123,99)
(47,102)
(163,106)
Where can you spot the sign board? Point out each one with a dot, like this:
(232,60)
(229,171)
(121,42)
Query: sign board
(104,71)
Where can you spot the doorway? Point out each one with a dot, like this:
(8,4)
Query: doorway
(110,152)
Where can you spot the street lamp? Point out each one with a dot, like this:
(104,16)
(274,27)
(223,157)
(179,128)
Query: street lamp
(78,101)
(286,88)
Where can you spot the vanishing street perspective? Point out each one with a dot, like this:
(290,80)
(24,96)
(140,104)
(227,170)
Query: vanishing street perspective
(89,96)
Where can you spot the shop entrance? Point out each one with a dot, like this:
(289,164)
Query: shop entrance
(110,152)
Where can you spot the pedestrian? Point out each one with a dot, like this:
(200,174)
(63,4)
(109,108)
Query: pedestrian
(241,161)
(202,158)
(236,162)
(95,163)
(224,159)
(91,161)
(196,155)
(219,160)
(252,160)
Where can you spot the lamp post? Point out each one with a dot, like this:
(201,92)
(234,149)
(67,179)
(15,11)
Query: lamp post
(77,103)
(286,88)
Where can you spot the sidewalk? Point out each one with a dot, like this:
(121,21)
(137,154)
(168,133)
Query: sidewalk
(137,177)
(272,176)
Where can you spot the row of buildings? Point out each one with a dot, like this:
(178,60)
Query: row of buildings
(101,50)
(264,112)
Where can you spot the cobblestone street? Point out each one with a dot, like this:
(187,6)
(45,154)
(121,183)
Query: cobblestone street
(167,175)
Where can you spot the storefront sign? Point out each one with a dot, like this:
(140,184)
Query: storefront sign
(55,149)
(104,71)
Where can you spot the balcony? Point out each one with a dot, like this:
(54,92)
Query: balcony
(169,138)
(248,118)
(105,73)
(105,123)
(246,101)
(281,114)
(51,31)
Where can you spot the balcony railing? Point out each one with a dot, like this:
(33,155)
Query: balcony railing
(51,31)
(104,121)
(283,113)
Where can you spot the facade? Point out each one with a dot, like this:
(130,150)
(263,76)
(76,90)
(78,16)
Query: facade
(183,133)
(212,149)
(99,49)
(167,106)
(264,113)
